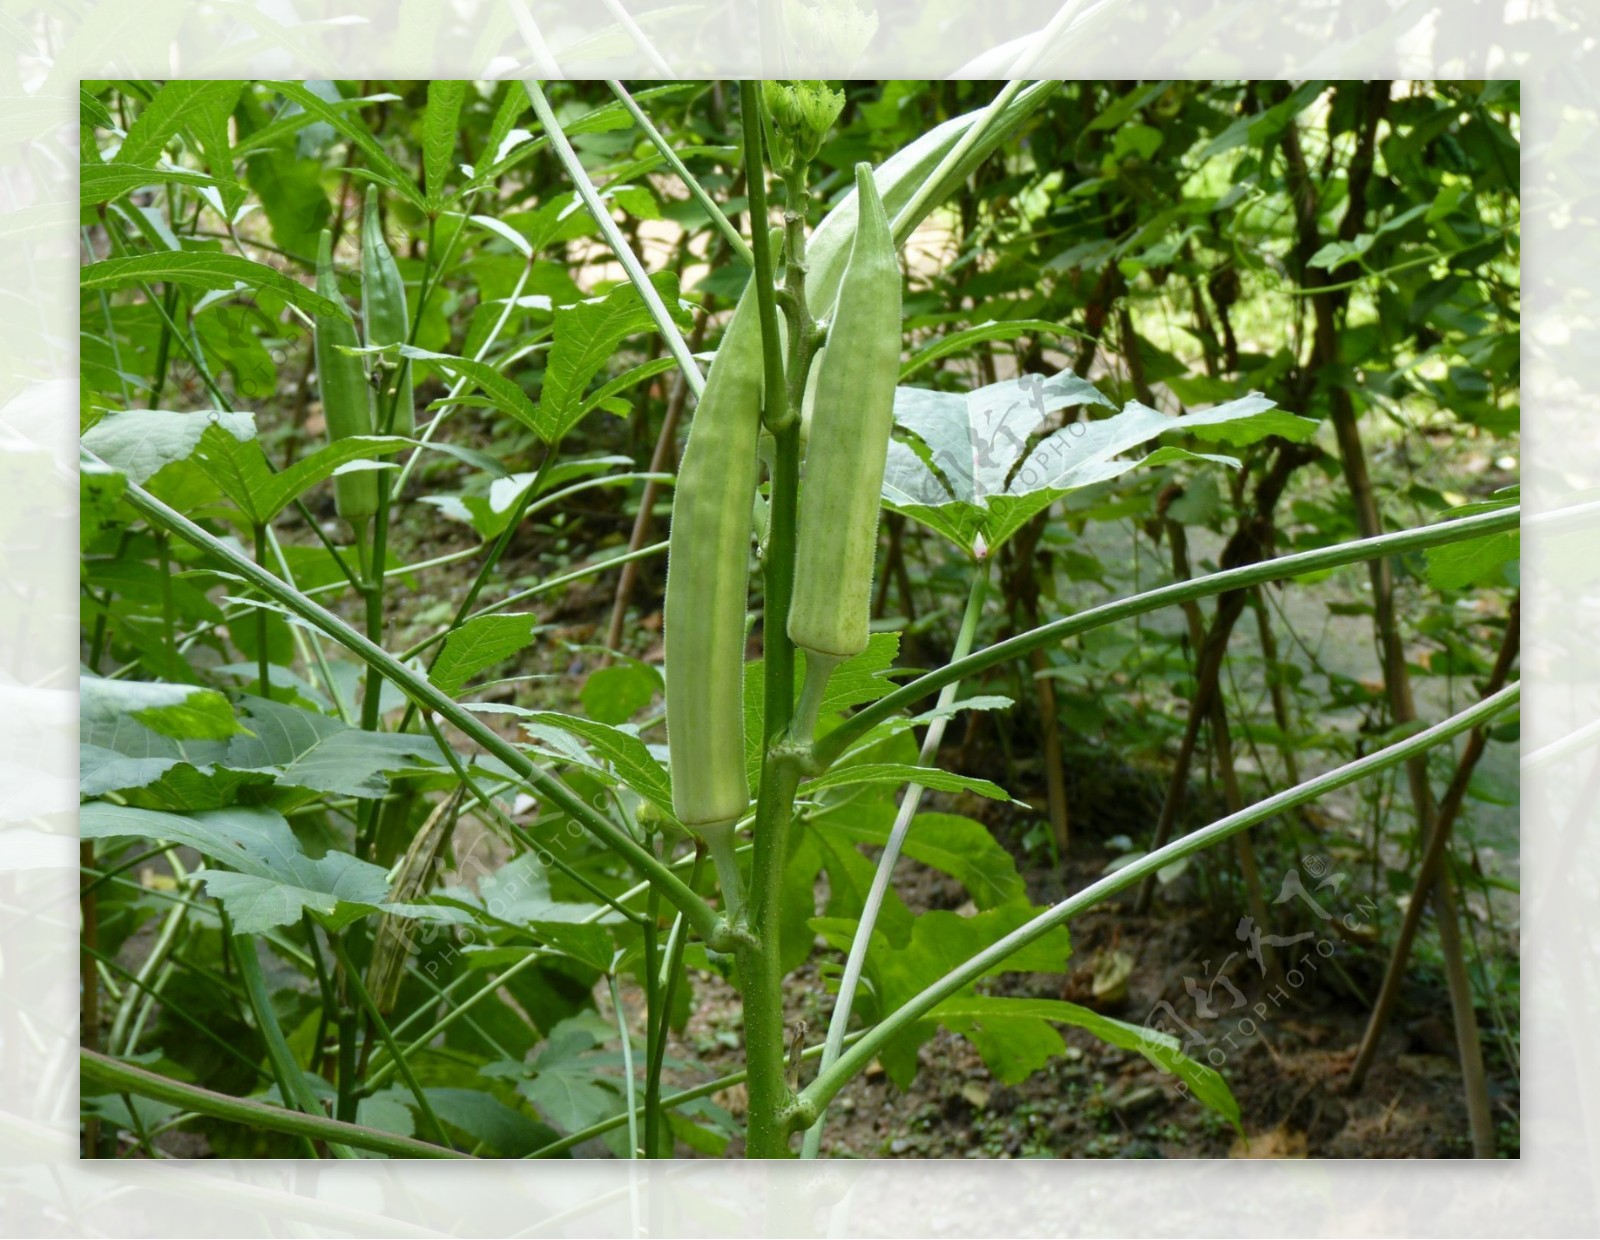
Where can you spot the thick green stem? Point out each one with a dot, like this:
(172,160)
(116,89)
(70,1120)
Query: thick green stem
(760,975)
(830,747)
(822,1090)
(103,1070)
(760,967)
(771,1101)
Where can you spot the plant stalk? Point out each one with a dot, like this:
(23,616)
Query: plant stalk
(104,1070)
(856,961)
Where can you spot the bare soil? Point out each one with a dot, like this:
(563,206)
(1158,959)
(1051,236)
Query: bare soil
(1284,1044)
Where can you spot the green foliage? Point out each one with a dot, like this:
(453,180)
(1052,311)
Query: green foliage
(1140,304)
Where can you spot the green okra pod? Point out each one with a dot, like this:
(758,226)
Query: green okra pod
(346,395)
(708,566)
(384,317)
(848,445)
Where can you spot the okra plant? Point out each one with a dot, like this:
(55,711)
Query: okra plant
(635,847)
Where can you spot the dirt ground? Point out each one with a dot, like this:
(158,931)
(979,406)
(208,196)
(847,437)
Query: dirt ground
(1287,1068)
(1097,1101)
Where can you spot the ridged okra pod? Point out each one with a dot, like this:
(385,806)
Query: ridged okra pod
(346,396)
(708,564)
(851,418)
(384,318)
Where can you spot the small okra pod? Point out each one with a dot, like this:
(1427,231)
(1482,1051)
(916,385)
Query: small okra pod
(848,445)
(346,395)
(384,317)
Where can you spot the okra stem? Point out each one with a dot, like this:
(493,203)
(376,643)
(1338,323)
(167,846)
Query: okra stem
(819,667)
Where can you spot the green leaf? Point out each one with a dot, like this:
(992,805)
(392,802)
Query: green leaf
(1457,565)
(629,757)
(439,137)
(997,1013)
(565,1087)
(490,514)
(586,338)
(484,1118)
(139,734)
(139,442)
(339,889)
(291,120)
(955,342)
(479,643)
(904,773)
(1135,139)
(103,770)
(175,106)
(241,472)
(505,394)
(387,1110)
(183,712)
(1255,128)
(518,895)
(353,762)
(308,750)
(1337,253)
(91,112)
(207,121)
(864,677)
(201,714)
(352,128)
(960,847)
(976,477)
(588,943)
(100,491)
(206,270)
(272,880)
(627,379)
(937,942)
(616,693)
(105,183)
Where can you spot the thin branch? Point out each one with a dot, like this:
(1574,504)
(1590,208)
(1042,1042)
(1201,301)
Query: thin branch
(619,244)
(830,747)
(719,219)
